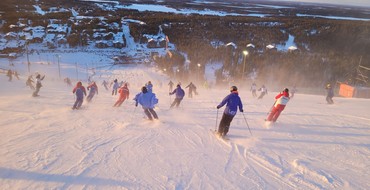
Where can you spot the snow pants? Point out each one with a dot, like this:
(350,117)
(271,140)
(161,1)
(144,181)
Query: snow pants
(329,99)
(254,94)
(114,92)
(261,95)
(78,102)
(275,113)
(90,96)
(176,102)
(224,126)
(150,113)
(36,92)
(120,101)
(190,94)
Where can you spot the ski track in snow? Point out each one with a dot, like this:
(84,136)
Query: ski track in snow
(46,145)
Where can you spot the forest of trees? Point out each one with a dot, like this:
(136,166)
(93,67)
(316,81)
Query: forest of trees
(328,50)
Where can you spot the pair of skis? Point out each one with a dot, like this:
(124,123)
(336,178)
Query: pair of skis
(224,137)
(214,132)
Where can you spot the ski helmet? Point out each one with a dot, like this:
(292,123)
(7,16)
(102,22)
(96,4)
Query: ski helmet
(144,89)
(233,88)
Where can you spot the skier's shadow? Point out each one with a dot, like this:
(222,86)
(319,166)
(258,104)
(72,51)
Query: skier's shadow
(14,174)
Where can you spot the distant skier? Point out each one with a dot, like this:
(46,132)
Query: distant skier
(293,91)
(68,81)
(93,89)
(192,88)
(180,93)
(38,85)
(149,86)
(254,90)
(330,94)
(29,82)
(170,84)
(263,90)
(280,102)
(233,102)
(147,100)
(105,84)
(206,85)
(10,75)
(80,91)
(16,75)
(124,94)
(115,87)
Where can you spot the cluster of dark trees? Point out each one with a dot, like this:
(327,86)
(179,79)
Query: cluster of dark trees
(328,50)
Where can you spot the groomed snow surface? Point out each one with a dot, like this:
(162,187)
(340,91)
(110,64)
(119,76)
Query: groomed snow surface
(45,144)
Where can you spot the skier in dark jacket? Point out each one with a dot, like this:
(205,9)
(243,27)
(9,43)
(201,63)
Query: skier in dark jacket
(80,91)
(330,94)
(192,88)
(170,84)
(263,90)
(232,102)
(38,85)
(180,93)
(149,86)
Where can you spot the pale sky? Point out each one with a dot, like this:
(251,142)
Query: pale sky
(339,2)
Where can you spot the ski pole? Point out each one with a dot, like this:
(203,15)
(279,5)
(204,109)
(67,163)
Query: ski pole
(247,123)
(216,120)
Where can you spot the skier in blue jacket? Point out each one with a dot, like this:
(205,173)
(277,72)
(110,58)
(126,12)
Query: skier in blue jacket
(147,100)
(232,102)
(180,93)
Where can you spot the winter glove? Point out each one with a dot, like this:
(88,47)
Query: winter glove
(241,110)
(218,107)
(136,104)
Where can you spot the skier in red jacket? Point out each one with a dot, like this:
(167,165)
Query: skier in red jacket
(93,89)
(280,103)
(80,91)
(124,94)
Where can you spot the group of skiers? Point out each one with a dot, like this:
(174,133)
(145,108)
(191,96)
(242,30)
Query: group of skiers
(263,90)
(147,99)
(233,103)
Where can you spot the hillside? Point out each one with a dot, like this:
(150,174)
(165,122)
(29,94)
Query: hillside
(47,145)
